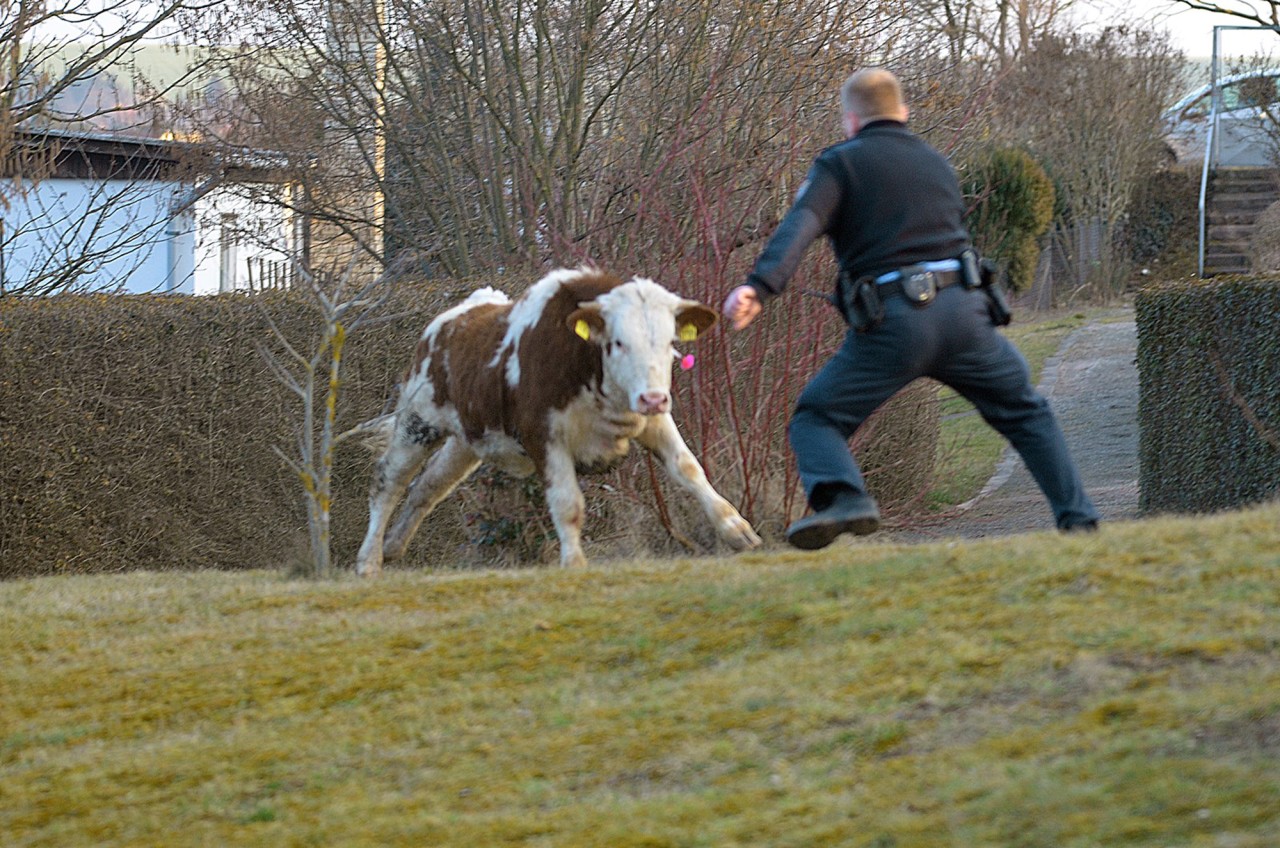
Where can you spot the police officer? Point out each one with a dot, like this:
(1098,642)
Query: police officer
(892,207)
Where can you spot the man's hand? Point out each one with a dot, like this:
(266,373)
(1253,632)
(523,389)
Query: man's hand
(742,306)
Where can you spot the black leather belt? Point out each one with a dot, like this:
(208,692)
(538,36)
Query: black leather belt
(941,279)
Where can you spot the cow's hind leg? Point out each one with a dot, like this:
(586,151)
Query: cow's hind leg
(447,467)
(663,440)
(564,500)
(391,475)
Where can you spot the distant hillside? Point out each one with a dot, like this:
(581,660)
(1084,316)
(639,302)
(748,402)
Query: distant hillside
(110,99)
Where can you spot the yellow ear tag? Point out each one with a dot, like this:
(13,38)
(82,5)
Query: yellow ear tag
(688,333)
(583,330)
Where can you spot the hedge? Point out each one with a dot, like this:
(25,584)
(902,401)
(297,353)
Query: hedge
(1209,402)
(140,432)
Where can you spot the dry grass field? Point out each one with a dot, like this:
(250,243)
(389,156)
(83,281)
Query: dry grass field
(1120,689)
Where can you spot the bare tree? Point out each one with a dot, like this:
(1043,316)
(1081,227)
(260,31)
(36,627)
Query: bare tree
(501,134)
(314,377)
(1088,107)
(990,31)
(51,48)
(1264,13)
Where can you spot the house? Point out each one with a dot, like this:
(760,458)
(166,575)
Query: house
(96,212)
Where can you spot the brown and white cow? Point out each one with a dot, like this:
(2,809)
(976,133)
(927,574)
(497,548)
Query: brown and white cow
(560,380)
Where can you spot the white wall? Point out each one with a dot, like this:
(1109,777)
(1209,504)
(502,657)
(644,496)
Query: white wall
(90,235)
(242,239)
(119,236)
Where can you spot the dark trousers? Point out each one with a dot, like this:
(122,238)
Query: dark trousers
(953,341)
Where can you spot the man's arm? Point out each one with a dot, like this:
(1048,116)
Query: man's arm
(809,217)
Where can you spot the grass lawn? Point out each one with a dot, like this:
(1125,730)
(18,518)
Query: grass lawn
(969,450)
(1120,689)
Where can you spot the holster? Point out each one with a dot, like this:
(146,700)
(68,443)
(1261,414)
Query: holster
(859,302)
(992,276)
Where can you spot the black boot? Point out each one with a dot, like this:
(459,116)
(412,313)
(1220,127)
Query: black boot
(848,512)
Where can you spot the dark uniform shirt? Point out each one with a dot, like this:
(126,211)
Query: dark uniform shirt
(885,198)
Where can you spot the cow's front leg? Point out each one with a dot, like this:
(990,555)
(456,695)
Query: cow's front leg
(565,502)
(391,476)
(448,466)
(663,440)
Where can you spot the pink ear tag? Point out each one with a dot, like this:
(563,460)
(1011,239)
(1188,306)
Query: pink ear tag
(686,362)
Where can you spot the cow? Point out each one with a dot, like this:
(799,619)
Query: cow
(558,382)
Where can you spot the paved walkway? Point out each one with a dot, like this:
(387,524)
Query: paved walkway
(1092,384)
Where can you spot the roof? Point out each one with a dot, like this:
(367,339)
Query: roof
(78,154)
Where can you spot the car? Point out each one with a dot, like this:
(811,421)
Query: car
(1248,123)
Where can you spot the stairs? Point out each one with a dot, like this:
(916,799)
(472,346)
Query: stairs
(1236,197)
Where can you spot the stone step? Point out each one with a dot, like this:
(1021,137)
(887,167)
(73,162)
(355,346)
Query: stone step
(1233,263)
(1232,233)
(1240,183)
(1233,217)
(1245,175)
(1236,197)
(1245,201)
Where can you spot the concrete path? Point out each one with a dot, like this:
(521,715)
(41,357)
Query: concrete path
(1092,385)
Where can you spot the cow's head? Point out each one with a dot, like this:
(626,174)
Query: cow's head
(637,326)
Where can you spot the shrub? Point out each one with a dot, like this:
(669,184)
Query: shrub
(1209,412)
(1264,245)
(1162,216)
(1012,208)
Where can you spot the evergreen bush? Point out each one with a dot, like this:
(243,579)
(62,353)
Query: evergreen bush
(1012,208)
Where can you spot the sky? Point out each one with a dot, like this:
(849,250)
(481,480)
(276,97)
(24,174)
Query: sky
(1191,30)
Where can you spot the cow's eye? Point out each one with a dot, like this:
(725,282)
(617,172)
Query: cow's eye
(616,347)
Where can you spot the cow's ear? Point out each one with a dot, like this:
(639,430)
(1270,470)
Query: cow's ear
(693,319)
(587,322)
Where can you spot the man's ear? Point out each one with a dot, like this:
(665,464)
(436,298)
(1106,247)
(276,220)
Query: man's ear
(587,322)
(692,319)
(851,124)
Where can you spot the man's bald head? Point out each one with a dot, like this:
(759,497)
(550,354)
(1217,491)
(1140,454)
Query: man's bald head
(873,94)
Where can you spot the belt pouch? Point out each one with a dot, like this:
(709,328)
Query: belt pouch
(860,302)
(970,273)
(993,287)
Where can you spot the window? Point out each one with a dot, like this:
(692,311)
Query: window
(227,240)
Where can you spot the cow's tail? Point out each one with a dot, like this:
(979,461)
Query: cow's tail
(374,434)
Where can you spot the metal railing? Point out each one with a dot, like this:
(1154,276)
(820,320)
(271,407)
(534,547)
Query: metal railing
(1204,193)
(1213,137)
(268,274)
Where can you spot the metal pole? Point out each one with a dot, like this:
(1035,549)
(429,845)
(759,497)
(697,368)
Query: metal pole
(1215,91)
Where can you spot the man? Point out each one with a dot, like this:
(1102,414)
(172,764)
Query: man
(892,207)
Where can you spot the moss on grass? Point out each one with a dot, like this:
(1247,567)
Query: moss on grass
(1118,689)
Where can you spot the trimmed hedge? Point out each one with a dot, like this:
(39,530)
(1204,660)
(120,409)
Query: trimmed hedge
(139,432)
(1209,403)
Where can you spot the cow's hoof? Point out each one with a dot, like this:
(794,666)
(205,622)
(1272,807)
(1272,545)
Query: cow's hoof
(739,535)
(368,569)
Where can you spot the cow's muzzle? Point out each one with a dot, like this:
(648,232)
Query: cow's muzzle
(653,403)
